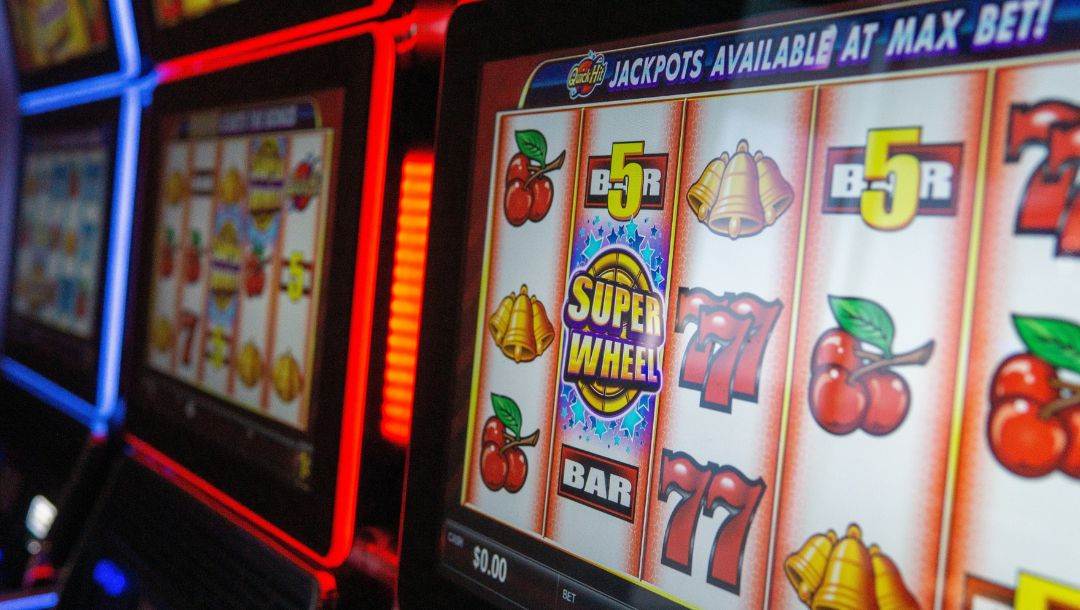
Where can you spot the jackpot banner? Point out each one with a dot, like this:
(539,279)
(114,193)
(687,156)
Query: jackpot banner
(787,316)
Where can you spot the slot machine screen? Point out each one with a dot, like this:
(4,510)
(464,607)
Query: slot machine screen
(71,38)
(168,13)
(750,314)
(238,270)
(238,265)
(247,251)
(61,230)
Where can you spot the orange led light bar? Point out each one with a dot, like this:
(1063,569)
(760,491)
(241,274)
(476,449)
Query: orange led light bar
(406,296)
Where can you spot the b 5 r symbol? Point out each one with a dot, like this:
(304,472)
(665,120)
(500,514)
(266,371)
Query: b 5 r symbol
(627,181)
(893,178)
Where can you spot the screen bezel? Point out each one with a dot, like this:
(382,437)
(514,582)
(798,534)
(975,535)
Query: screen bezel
(306,516)
(57,357)
(235,22)
(479,34)
(94,63)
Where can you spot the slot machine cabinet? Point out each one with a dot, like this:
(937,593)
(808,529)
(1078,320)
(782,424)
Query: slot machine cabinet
(64,264)
(283,449)
(823,404)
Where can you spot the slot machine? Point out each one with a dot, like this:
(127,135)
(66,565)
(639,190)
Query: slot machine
(281,175)
(752,310)
(76,46)
(64,258)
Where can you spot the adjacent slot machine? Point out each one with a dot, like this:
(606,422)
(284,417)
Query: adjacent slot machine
(65,277)
(61,41)
(752,311)
(258,319)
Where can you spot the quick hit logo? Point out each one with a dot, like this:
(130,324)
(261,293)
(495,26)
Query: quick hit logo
(627,180)
(585,75)
(598,482)
(893,178)
(1050,202)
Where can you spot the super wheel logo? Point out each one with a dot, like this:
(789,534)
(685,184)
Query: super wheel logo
(616,329)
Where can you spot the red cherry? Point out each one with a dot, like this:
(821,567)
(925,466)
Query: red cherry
(889,400)
(1027,376)
(494,431)
(1070,462)
(541,190)
(517,469)
(518,169)
(1024,442)
(517,203)
(838,406)
(493,467)
(836,348)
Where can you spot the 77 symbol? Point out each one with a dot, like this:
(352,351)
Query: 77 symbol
(723,359)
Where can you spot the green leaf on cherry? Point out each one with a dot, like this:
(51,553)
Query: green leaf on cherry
(865,320)
(1055,341)
(532,144)
(508,413)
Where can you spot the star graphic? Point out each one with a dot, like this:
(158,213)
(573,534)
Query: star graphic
(647,254)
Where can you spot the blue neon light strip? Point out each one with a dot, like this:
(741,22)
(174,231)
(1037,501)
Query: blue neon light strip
(97,87)
(32,602)
(97,416)
(119,253)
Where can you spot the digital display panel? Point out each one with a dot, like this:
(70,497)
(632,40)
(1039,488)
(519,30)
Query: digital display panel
(168,13)
(237,277)
(48,33)
(778,316)
(60,231)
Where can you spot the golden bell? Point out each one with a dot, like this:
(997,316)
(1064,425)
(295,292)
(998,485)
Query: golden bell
(500,320)
(806,568)
(518,343)
(543,332)
(737,211)
(889,586)
(775,192)
(848,583)
(702,194)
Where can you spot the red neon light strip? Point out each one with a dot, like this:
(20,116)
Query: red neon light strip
(192,484)
(406,296)
(195,63)
(363,305)
(363,310)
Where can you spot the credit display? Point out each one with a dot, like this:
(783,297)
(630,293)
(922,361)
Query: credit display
(779,316)
(60,230)
(48,33)
(238,261)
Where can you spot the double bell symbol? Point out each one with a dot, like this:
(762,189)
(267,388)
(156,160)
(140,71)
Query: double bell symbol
(520,326)
(740,195)
(848,583)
